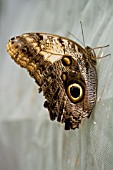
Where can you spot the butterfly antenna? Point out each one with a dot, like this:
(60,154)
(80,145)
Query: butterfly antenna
(82,33)
(76,38)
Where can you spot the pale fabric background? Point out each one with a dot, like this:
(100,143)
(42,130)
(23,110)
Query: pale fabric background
(28,139)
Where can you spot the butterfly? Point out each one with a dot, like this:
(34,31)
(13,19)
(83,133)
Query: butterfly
(64,71)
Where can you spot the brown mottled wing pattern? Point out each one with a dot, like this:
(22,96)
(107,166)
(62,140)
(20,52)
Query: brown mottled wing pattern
(64,71)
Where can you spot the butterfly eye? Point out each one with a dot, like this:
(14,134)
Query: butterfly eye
(75,92)
(66,60)
(24,50)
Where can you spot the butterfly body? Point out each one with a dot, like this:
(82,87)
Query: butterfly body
(64,71)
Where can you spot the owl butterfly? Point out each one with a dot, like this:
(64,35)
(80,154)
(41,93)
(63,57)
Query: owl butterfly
(64,71)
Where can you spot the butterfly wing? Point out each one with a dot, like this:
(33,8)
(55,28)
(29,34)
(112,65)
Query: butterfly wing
(62,70)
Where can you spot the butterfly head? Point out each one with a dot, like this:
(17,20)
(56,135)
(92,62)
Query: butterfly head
(91,54)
